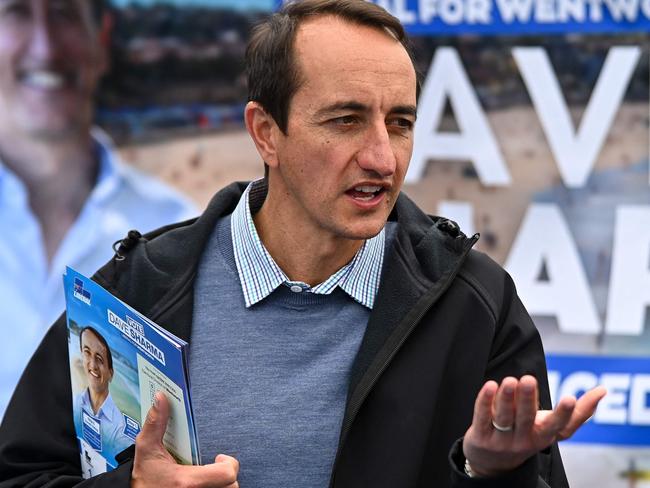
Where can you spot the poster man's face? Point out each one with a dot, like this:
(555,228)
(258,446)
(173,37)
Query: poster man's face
(50,62)
(350,128)
(95,362)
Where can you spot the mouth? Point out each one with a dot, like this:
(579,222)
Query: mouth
(45,79)
(93,374)
(366,193)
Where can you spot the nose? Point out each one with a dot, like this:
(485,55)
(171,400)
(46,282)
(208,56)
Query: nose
(92,363)
(41,43)
(377,153)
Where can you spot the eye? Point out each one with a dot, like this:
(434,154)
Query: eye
(64,10)
(345,120)
(14,9)
(401,122)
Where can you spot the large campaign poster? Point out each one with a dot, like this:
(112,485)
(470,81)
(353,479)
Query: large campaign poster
(533,130)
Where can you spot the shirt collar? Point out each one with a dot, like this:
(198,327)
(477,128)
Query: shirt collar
(260,275)
(106,409)
(110,171)
(109,174)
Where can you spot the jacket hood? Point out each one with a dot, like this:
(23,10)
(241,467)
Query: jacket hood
(436,242)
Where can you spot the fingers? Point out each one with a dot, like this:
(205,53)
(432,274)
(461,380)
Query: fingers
(482,421)
(223,458)
(507,427)
(586,405)
(504,406)
(490,450)
(513,403)
(583,410)
(527,404)
(570,414)
(222,474)
(153,466)
(557,420)
(153,430)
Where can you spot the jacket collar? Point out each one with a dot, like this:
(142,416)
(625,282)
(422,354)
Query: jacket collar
(158,274)
(423,261)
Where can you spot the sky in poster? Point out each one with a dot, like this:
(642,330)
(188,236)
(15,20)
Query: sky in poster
(236,4)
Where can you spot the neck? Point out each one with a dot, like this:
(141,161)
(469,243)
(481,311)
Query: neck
(304,253)
(97,399)
(58,177)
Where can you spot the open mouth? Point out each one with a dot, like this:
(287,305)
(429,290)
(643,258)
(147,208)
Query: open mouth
(44,79)
(366,193)
(93,374)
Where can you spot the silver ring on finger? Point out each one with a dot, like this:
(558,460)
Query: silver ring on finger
(502,428)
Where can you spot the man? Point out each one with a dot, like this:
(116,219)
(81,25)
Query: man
(64,196)
(96,401)
(338,335)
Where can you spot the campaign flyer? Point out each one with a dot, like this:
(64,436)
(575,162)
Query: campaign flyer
(118,360)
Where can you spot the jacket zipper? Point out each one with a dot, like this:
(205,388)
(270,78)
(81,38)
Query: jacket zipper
(354,408)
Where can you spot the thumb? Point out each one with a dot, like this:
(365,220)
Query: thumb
(155,424)
(224,459)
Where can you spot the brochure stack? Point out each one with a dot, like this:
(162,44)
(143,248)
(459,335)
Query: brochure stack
(119,359)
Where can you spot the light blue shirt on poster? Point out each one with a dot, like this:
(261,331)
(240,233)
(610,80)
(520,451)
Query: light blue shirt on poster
(31,290)
(113,425)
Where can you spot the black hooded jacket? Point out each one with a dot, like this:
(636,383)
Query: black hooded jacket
(446,319)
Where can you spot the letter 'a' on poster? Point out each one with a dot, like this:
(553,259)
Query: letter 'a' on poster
(119,359)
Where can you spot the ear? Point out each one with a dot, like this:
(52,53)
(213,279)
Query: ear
(264,131)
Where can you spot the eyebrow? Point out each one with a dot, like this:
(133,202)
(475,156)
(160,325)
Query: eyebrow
(360,107)
(406,110)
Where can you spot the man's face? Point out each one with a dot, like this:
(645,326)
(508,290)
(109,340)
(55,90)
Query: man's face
(95,362)
(50,62)
(350,129)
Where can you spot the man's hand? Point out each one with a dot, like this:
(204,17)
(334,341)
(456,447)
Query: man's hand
(507,427)
(155,467)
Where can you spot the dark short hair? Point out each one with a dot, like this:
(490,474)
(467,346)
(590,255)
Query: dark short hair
(109,356)
(273,76)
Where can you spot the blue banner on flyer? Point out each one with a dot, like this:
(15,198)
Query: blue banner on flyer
(623,416)
(131,427)
(92,430)
(518,17)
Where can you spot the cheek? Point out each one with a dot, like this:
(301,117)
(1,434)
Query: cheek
(332,158)
(9,51)
(8,41)
(403,153)
(82,51)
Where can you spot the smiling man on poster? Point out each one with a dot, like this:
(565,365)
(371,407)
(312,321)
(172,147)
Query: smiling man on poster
(64,194)
(338,335)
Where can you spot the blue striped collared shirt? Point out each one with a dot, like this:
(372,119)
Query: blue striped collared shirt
(259,274)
